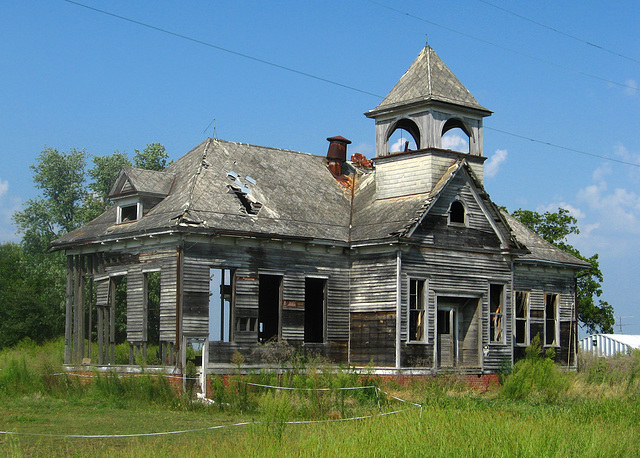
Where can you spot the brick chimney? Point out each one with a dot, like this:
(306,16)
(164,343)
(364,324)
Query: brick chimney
(337,154)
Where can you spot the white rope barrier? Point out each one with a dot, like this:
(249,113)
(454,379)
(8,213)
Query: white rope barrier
(210,428)
(311,389)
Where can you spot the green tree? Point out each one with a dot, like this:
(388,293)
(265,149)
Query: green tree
(555,227)
(103,174)
(152,157)
(61,178)
(32,279)
(31,296)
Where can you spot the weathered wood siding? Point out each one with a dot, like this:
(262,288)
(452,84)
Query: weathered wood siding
(293,265)
(373,308)
(540,280)
(459,261)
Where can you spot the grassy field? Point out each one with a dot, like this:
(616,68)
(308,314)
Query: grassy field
(593,413)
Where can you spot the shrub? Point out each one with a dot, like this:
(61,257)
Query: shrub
(536,377)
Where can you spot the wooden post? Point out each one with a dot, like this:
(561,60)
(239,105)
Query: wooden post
(112,322)
(68,327)
(82,281)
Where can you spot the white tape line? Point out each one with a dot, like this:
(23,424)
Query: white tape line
(311,389)
(210,428)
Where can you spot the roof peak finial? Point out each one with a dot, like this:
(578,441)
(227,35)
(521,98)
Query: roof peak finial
(426,40)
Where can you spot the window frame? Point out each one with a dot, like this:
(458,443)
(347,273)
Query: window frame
(465,219)
(417,310)
(555,320)
(497,318)
(526,319)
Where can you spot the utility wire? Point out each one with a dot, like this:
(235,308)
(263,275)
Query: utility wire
(309,75)
(566,148)
(515,51)
(220,48)
(524,18)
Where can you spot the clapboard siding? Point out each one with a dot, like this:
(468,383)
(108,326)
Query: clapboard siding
(195,302)
(294,266)
(168,291)
(539,280)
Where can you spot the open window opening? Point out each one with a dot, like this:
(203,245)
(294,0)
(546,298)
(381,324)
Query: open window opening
(151,348)
(496,310)
(315,294)
(522,318)
(416,310)
(220,304)
(405,136)
(455,136)
(551,319)
(119,307)
(457,213)
(269,309)
(128,213)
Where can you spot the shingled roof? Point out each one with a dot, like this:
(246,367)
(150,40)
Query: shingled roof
(539,249)
(222,187)
(428,80)
(134,180)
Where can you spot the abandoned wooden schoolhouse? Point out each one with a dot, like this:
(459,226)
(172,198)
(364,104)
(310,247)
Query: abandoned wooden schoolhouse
(401,262)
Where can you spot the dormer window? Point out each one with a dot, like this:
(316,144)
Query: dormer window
(457,213)
(129,212)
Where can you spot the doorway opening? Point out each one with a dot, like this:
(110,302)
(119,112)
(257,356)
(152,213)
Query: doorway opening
(269,310)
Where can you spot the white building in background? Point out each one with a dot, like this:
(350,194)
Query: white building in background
(609,344)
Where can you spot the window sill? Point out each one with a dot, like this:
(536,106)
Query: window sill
(417,342)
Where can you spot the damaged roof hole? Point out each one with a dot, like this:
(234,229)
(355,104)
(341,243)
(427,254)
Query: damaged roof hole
(250,180)
(249,205)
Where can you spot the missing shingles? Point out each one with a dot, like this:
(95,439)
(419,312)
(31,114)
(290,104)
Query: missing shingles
(250,206)
(243,193)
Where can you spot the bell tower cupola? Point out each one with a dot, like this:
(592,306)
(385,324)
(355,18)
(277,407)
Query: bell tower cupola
(427,102)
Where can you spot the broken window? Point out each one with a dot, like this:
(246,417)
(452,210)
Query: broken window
(269,301)
(220,304)
(456,213)
(315,293)
(522,318)
(551,319)
(416,310)
(496,311)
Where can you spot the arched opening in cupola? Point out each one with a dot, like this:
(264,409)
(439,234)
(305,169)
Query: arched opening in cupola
(456,136)
(404,136)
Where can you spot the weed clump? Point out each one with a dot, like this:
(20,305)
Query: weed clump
(536,377)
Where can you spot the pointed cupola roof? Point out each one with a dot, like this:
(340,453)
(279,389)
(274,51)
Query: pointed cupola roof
(428,80)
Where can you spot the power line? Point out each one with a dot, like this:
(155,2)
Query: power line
(566,148)
(309,75)
(220,48)
(515,51)
(602,48)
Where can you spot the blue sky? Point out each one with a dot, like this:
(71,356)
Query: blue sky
(76,78)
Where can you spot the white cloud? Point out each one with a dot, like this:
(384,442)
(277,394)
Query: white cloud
(455,142)
(4,187)
(492,166)
(397,146)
